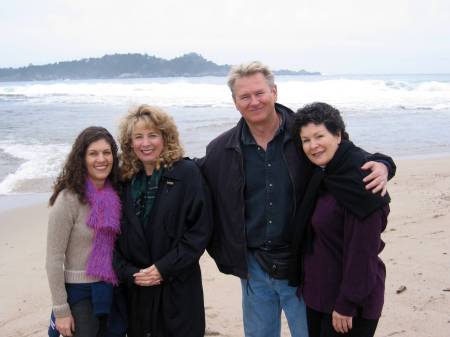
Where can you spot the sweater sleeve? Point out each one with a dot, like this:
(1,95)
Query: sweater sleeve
(60,223)
(362,244)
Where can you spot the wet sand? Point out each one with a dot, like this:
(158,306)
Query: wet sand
(417,256)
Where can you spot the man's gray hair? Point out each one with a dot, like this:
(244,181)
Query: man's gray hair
(248,69)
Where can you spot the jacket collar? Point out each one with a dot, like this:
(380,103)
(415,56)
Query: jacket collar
(171,173)
(169,177)
(234,141)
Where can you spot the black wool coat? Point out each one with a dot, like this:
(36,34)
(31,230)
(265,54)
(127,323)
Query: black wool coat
(176,236)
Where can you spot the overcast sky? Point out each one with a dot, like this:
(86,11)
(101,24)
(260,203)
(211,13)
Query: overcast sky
(333,36)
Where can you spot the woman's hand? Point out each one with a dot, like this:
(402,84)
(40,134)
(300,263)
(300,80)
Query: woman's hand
(341,323)
(148,277)
(65,325)
(377,180)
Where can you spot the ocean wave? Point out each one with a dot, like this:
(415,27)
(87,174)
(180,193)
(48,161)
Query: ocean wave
(434,86)
(210,126)
(199,106)
(190,94)
(39,162)
(367,95)
(12,97)
(399,85)
(444,106)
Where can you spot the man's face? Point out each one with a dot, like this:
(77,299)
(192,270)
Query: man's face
(255,99)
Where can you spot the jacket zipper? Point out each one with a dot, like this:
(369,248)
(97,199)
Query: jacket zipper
(241,162)
(294,194)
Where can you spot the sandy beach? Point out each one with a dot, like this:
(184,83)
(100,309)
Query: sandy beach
(417,256)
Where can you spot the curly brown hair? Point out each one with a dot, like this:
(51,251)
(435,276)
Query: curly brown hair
(156,118)
(74,172)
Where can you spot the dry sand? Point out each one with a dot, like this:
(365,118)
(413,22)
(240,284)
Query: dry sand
(417,256)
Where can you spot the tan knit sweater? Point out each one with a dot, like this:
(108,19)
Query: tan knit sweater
(69,243)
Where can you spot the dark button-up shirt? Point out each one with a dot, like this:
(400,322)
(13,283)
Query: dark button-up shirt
(344,272)
(268,189)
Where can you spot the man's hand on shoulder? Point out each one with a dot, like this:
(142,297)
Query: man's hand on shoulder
(376,181)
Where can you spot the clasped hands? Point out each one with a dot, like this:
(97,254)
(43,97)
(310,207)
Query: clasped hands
(148,277)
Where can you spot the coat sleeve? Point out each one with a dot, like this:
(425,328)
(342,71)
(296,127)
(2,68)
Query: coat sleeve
(122,266)
(62,217)
(382,158)
(197,226)
(362,244)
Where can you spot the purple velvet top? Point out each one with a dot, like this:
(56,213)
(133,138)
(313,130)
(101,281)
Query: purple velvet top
(344,272)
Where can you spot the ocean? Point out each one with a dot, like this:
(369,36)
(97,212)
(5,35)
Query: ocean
(399,115)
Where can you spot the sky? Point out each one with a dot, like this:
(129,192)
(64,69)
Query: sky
(333,36)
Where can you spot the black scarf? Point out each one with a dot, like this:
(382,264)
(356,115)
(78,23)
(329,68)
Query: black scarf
(343,178)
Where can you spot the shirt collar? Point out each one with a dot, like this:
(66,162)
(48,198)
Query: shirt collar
(247,137)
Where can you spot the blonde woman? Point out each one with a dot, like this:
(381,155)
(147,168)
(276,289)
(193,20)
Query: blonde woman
(165,228)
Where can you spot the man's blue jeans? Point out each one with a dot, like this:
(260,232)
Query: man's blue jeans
(263,298)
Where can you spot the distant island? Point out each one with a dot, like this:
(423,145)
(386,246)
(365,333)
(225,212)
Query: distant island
(125,66)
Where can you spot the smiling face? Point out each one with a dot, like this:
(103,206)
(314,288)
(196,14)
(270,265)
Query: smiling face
(99,162)
(255,99)
(147,144)
(318,143)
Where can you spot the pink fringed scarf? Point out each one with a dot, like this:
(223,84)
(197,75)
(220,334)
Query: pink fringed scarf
(104,219)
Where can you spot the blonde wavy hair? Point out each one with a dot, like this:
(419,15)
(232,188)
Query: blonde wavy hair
(249,69)
(154,118)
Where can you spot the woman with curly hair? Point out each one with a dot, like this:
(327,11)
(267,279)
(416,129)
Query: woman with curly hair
(165,228)
(84,221)
(341,223)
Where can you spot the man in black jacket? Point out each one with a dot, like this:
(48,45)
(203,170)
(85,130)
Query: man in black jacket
(257,179)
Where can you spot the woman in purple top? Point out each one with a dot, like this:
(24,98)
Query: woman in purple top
(343,277)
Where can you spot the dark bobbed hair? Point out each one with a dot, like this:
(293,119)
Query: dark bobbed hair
(320,113)
(74,172)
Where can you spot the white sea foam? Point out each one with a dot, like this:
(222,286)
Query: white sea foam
(371,94)
(176,93)
(367,95)
(40,162)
